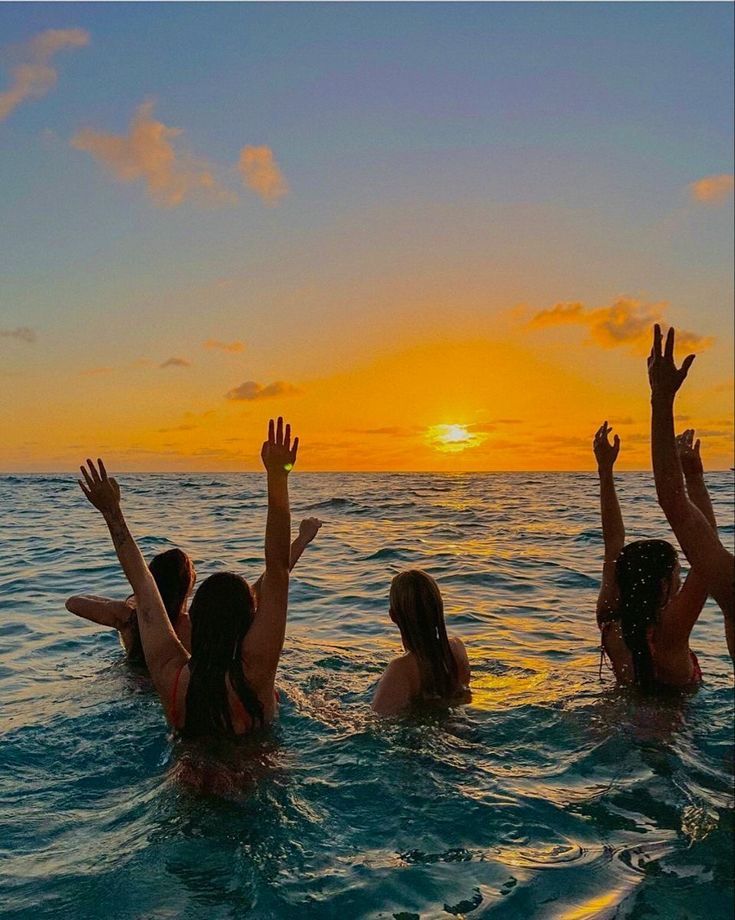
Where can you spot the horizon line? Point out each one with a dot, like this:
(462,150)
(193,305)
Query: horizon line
(71,473)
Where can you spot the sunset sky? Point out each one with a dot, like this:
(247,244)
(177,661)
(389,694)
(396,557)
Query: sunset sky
(432,236)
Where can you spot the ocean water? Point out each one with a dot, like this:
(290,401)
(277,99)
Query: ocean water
(552,795)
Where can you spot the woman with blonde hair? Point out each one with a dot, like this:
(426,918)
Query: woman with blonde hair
(435,667)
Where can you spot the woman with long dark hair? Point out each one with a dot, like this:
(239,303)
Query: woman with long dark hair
(644,613)
(226,686)
(435,667)
(174,575)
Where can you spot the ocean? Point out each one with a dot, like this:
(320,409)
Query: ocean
(553,794)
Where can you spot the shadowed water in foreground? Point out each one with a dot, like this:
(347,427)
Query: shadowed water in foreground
(553,794)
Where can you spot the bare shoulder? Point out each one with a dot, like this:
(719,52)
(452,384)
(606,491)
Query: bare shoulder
(397,686)
(460,656)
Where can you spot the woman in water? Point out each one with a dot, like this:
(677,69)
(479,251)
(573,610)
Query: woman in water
(174,574)
(434,668)
(226,686)
(694,527)
(644,613)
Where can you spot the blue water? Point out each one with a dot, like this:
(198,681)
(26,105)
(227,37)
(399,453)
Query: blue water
(553,794)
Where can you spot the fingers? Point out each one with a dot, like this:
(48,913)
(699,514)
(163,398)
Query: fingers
(81,486)
(271,432)
(287,438)
(616,442)
(688,361)
(697,445)
(656,350)
(294,449)
(93,470)
(103,471)
(669,351)
(279,430)
(87,478)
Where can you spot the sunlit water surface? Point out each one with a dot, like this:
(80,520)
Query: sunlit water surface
(553,794)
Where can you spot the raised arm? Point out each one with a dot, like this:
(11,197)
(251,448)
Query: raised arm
(264,641)
(683,612)
(164,653)
(697,538)
(691,465)
(308,529)
(101,610)
(613,529)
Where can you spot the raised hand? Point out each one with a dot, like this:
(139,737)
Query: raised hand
(308,529)
(605,452)
(101,491)
(278,453)
(688,450)
(663,375)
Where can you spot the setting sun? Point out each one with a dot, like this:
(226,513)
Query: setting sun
(453,437)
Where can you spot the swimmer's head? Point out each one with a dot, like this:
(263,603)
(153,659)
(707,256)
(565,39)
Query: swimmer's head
(221,613)
(415,602)
(648,576)
(173,572)
(417,609)
(175,575)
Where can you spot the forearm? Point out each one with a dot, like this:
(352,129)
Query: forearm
(297,549)
(613,529)
(666,467)
(131,560)
(699,496)
(100,610)
(278,524)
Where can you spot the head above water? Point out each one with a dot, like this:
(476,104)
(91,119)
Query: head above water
(417,608)
(221,613)
(648,576)
(174,574)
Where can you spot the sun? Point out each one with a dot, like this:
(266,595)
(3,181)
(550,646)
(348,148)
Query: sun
(453,438)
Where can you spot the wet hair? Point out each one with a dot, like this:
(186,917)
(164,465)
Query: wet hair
(221,613)
(640,568)
(173,572)
(418,610)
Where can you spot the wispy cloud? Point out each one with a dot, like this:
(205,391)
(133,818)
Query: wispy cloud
(260,172)
(713,189)
(20,334)
(250,390)
(175,362)
(626,322)
(146,153)
(33,76)
(231,347)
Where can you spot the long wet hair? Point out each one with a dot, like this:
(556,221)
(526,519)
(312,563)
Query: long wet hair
(642,569)
(173,572)
(221,613)
(418,611)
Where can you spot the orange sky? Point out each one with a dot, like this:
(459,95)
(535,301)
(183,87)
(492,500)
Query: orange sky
(431,253)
